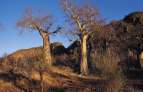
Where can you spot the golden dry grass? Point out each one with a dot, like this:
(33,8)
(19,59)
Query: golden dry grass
(8,87)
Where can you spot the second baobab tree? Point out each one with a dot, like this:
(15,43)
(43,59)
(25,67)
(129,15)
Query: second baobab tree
(42,25)
(85,20)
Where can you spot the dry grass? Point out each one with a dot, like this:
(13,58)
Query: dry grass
(8,87)
(59,78)
(4,84)
(131,89)
(107,65)
(116,84)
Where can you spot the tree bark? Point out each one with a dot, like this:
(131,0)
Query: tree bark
(46,48)
(141,59)
(41,81)
(84,64)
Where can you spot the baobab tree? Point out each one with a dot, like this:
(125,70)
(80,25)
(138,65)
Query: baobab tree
(42,25)
(85,20)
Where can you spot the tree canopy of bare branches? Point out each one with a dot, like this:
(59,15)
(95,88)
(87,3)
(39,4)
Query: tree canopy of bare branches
(42,25)
(85,19)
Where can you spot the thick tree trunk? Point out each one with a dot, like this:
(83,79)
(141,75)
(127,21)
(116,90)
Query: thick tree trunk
(41,81)
(138,62)
(84,64)
(141,59)
(46,49)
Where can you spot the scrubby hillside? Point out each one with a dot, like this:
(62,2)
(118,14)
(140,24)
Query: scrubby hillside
(23,70)
(57,49)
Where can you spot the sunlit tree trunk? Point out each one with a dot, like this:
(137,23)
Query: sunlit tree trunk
(41,80)
(46,48)
(141,59)
(84,64)
(138,62)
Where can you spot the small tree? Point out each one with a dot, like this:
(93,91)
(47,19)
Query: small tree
(42,25)
(85,19)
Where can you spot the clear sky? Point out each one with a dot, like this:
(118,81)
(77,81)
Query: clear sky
(11,11)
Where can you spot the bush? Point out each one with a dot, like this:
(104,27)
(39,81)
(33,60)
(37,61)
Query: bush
(107,66)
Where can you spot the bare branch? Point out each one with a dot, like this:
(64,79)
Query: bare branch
(56,31)
(38,23)
(84,17)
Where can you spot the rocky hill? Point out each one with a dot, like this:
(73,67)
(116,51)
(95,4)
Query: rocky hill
(128,34)
(57,49)
(135,18)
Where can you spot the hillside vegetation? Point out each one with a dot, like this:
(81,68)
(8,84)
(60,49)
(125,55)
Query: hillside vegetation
(113,55)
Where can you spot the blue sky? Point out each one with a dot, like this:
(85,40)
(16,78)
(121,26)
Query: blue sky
(11,11)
